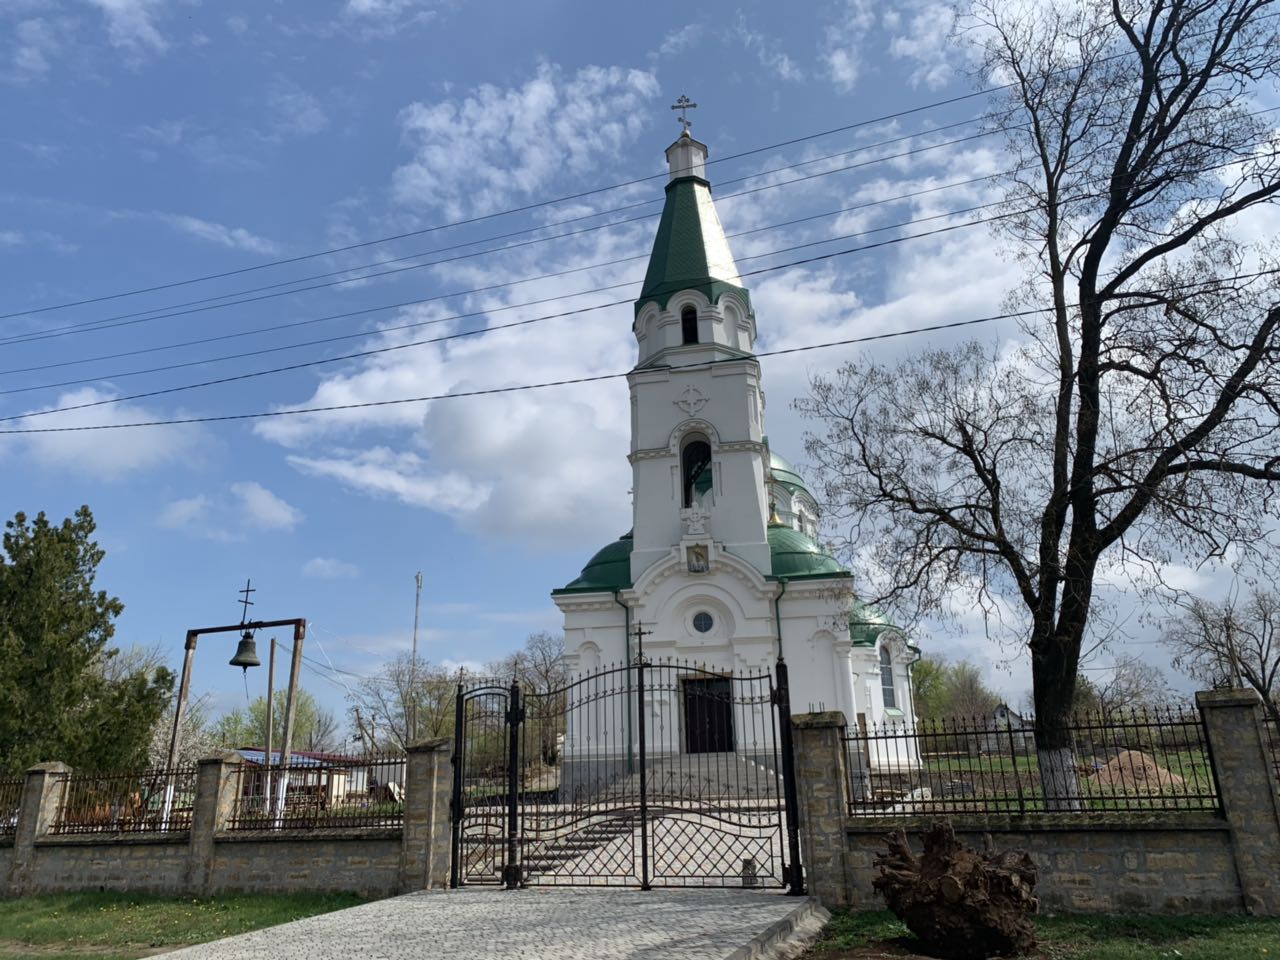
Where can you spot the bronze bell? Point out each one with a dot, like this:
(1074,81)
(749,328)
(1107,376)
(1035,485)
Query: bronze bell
(246,653)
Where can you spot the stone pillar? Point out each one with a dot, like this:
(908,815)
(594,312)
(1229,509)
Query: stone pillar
(41,794)
(217,784)
(1248,792)
(428,788)
(823,794)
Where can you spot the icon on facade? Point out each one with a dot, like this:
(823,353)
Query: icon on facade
(698,558)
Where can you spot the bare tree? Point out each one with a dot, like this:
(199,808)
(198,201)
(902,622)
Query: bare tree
(1131,683)
(383,705)
(1231,643)
(539,667)
(1136,421)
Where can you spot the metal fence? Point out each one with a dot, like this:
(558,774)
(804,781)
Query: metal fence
(10,801)
(316,793)
(147,801)
(1271,734)
(1135,761)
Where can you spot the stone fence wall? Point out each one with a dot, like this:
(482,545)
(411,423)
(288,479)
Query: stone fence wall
(209,858)
(1151,862)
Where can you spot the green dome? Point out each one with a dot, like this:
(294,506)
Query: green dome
(783,472)
(796,555)
(609,569)
(866,624)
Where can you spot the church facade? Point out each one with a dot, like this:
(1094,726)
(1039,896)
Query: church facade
(721,567)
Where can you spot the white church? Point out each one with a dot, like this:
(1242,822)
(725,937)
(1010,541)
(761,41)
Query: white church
(721,566)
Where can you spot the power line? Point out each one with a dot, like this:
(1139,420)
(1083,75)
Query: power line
(933,105)
(271,328)
(150,315)
(552,383)
(453,336)
(132,319)
(490,391)
(410,326)
(517,233)
(501,213)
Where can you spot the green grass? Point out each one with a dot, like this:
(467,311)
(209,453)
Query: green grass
(119,926)
(1081,937)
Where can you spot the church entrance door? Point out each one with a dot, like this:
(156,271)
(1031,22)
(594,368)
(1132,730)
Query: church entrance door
(643,775)
(708,714)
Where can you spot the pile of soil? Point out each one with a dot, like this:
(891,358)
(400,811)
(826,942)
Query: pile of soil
(1133,768)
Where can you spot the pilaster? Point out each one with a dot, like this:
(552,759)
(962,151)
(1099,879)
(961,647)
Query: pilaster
(820,777)
(217,784)
(41,794)
(1248,792)
(428,789)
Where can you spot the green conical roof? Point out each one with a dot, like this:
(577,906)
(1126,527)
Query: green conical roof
(690,251)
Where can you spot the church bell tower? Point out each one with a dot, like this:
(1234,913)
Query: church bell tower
(698,454)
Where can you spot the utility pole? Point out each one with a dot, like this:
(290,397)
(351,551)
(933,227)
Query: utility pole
(413,666)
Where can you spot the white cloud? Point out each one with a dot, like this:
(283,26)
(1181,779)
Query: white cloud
(679,40)
(382,18)
(845,44)
(108,453)
(130,25)
(236,238)
(500,144)
(185,513)
(923,35)
(405,476)
(263,508)
(246,508)
(35,42)
(329,568)
(294,111)
(11,238)
(766,51)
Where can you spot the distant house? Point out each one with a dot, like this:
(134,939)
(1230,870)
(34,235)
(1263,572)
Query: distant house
(330,776)
(1007,731)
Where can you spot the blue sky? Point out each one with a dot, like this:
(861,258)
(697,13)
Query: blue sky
(149,141)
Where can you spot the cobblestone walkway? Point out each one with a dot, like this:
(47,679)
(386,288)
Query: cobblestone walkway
(536,924)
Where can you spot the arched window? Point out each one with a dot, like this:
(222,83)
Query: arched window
(695,469)
(689,325)
(886,679)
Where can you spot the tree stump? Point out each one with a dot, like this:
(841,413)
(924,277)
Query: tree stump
(960,904)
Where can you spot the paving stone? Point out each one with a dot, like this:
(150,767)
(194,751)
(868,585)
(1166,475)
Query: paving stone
(534,924)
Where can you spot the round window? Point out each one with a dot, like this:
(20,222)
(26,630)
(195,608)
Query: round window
(702,622)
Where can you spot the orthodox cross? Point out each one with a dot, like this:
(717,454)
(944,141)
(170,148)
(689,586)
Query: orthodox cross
(684,105)
(641,633)
(246,601)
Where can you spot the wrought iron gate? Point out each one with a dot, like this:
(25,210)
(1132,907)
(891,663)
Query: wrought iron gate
(649,774)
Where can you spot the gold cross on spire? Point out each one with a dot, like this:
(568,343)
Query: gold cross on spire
(684,105)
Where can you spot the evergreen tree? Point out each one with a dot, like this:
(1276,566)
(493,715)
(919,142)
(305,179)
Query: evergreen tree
(61,699)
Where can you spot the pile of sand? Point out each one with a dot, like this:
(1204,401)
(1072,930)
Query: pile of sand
(1133,768)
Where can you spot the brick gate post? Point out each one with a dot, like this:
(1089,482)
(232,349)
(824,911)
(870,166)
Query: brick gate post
(428,788)
(823,794)
(217,782)
(1248,792)
(40,798)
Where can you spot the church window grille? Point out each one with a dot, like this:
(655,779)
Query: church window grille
(695,470)
(689,325)
(703,621)
(886,679)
